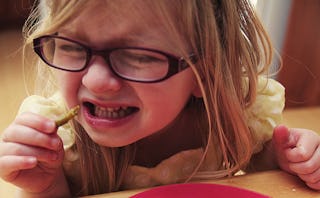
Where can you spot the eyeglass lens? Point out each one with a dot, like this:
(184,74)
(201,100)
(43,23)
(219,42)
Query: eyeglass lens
(139,64)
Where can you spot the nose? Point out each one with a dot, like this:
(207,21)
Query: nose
(99,78)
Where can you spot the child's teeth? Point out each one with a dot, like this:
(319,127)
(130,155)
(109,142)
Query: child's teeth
(111,109)
(110,112)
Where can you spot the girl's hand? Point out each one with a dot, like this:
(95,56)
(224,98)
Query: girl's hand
(298,152)
(31,154)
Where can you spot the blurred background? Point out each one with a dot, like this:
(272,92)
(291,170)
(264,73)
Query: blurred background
(293,26)
(13,13)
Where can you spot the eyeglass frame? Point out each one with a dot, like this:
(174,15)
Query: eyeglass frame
(175,64)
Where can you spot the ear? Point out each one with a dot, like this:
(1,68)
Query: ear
(197,91)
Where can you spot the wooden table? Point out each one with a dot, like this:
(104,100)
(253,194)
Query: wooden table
(308,117)
(273,183)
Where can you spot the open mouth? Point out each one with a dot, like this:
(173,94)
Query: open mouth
(110,112)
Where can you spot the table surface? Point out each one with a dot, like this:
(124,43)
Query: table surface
(272,183)
(308,117)
(275,183)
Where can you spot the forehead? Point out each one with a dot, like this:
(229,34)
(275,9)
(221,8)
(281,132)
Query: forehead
(137,21)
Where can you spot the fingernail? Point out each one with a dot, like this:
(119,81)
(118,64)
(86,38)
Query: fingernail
(31,161)
(50,126)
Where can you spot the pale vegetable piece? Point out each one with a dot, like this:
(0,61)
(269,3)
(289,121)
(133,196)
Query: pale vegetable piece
(68,116)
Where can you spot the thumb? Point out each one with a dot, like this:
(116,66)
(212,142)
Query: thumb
(282,138)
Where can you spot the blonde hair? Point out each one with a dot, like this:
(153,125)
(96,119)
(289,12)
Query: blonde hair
(230,44)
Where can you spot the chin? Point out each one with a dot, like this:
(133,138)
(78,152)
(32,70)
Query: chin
(107,141)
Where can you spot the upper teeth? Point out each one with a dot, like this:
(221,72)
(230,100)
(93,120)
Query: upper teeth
(109,109)
(110,112)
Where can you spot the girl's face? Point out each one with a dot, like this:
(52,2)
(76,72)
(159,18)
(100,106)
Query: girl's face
(116,112)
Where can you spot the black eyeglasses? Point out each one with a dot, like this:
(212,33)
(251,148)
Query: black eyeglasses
(129,63)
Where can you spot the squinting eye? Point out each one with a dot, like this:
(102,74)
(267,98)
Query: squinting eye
(71,48)
(142,56)
(145,58)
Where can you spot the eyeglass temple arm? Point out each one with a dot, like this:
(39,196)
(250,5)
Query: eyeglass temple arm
(184,64)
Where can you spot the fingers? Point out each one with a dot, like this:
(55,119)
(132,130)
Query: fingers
(15,158)
(11,165)
(298,152)
(315,186)
(32,129)
(22,140)
(36,122)
(31,152)
(306,146)
(29,136)
(41,154)
(296,145)
(29,140)
(312,178)
(282,138)
(308,166)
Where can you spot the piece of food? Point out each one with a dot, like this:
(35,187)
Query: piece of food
(68,116)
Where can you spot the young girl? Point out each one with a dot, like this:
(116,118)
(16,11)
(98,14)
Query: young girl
(169,91)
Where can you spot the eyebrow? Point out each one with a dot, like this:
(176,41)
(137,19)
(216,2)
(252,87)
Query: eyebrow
(132,39)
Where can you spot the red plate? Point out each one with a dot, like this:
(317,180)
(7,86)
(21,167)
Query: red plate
(196,190)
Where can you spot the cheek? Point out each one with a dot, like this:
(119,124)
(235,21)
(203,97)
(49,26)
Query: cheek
(164,101)
(69,84)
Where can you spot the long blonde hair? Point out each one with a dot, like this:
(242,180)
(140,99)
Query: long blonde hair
(230,44)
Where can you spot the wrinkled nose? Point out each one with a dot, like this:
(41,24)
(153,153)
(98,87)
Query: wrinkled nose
(99,77)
